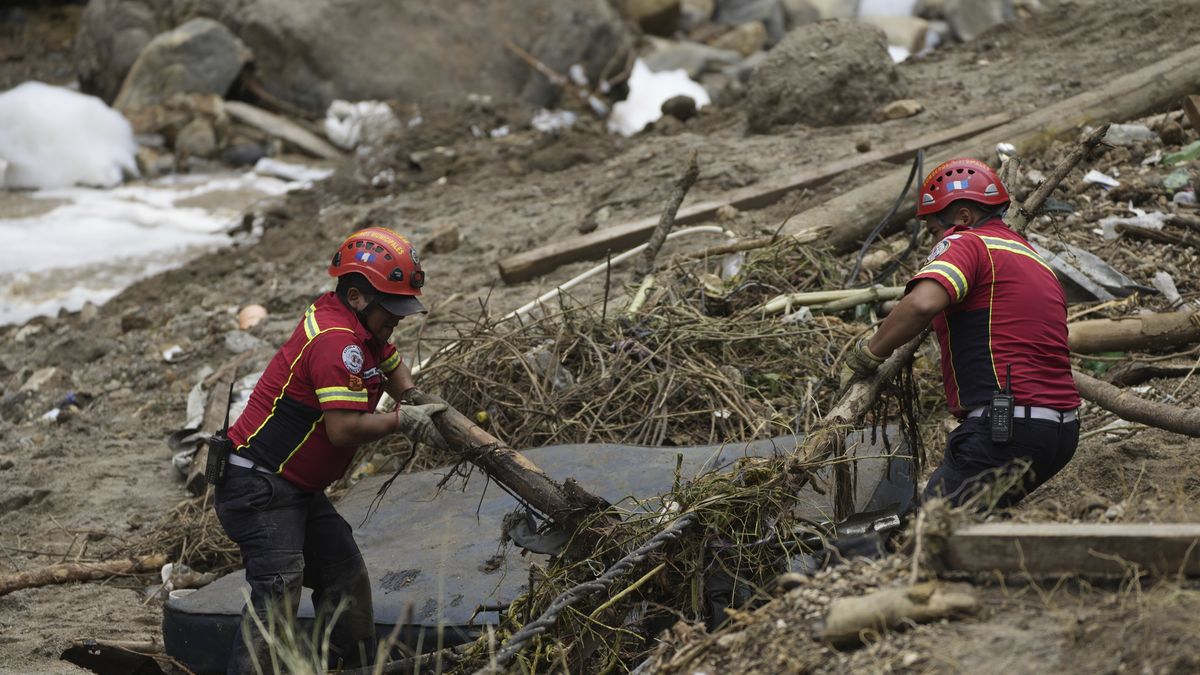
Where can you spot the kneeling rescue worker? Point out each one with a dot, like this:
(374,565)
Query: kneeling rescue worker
(1001,321)
(308,413)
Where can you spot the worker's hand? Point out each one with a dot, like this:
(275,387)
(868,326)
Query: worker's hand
(416,422)
(860,363)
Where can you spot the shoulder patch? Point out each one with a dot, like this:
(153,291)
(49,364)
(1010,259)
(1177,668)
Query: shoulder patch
(352,358)
(942,247)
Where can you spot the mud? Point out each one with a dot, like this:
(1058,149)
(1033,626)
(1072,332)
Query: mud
(88,485)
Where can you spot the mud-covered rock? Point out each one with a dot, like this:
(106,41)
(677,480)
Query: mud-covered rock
(196,139)
(823,74)
(200,57)
(310,53)
(744,39)
(658,17)
(682,108)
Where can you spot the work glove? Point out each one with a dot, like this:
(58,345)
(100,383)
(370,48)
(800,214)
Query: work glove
(416,422)
(861,362)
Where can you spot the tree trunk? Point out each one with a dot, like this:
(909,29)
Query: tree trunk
(852,215)
(1145,332)
(1133,408)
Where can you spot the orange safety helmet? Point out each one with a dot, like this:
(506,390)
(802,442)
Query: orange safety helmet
(960,179)
(389,263)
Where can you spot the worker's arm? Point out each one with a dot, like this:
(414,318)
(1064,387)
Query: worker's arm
(399,381)
(348,428)
(912,315)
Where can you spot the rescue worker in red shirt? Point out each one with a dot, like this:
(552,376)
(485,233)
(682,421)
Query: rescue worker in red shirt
(308,413)
(1000,317)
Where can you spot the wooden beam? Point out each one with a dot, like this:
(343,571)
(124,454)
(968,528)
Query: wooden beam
(853,214)
(1142,332)
(274,125)
(594,246)
(1085,549)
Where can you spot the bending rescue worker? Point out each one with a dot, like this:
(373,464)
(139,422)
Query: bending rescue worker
(308,413)
(1000,316)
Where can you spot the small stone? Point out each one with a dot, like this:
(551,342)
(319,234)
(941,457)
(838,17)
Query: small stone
(444,238)
(89,312)
(657,17)
(909,658)
(238,341)
(899,109)
(39,379)
(6,464)
(250,316)
(27,331)
(197,139)
(727,212)
(682,108)
(134,319)
(744,39)
(1171,134)
(863,145)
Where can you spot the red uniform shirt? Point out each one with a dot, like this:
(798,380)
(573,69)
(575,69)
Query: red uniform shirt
(331,362)
(1007,309)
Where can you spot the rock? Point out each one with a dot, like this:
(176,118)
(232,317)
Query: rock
(742,72)
(902,31)
(200,57)
(657,17)
(196,139)
(726,213)
(6,464)
(930,9)
(44,377)
(823,74)
(863,145)
(153,163)
(969,18)
(767,12)
(444,238)
(744,39)
(899,109)
(695,12)
(134,319)
(250,316)
(238,341)
(799,12)
(310,53)
(682,108)
(835,9)
(27,331)
(243,153)
(89,312)
(1171,134)
(693,57)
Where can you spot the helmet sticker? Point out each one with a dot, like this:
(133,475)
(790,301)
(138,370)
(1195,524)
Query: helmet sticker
(363,256)
(927,198)
(991,190)
(942,247)
(412,251)
(352,358)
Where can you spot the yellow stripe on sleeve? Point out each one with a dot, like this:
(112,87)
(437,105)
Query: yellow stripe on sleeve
(390,363)
(950,273)
(344,394)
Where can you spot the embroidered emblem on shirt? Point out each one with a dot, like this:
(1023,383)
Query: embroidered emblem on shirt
(356,383)
(942,247)
(352,358)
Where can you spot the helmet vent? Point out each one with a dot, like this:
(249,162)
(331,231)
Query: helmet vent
(396,275)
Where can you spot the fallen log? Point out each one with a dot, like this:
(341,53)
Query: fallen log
(1143,332)
(595,245)
(1133,408)
(850,620)
(281,127)
(567,504)
(1085,549)
(64,573)
(852,215)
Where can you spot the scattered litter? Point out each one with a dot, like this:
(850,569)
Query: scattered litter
(349,124)
(1187,154)
(1154,158)
(1141,219)
(647,92)
(499,132)
(51,415)
(173,354)
(802,315)
(1166,285)
(1095,176)
(1177,179)
(1005,151)
(238,341)
(1129,134)
(1035,177)
(550,121)
(546,363)
(1184,198)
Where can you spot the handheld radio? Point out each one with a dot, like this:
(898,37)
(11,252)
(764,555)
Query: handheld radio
(1001,411)
(219,447)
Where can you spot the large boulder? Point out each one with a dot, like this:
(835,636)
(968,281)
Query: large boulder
(200,57)
(310,53)
(823,74)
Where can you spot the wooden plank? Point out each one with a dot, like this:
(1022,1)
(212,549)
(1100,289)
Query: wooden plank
(289,131)
(596,245)
(1085,549)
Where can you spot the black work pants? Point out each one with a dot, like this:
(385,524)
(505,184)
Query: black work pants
(1039,449)
(291,538)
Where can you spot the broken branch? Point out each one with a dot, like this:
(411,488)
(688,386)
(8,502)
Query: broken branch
(65,573)
(1018,219)
(1133,408)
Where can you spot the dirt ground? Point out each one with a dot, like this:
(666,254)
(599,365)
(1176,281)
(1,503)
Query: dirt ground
(99,478)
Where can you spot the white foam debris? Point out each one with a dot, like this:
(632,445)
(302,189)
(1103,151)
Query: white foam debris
(54,137)
(647,92)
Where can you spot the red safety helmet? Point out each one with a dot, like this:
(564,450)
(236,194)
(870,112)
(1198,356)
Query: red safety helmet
(960,179)
(390,264)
